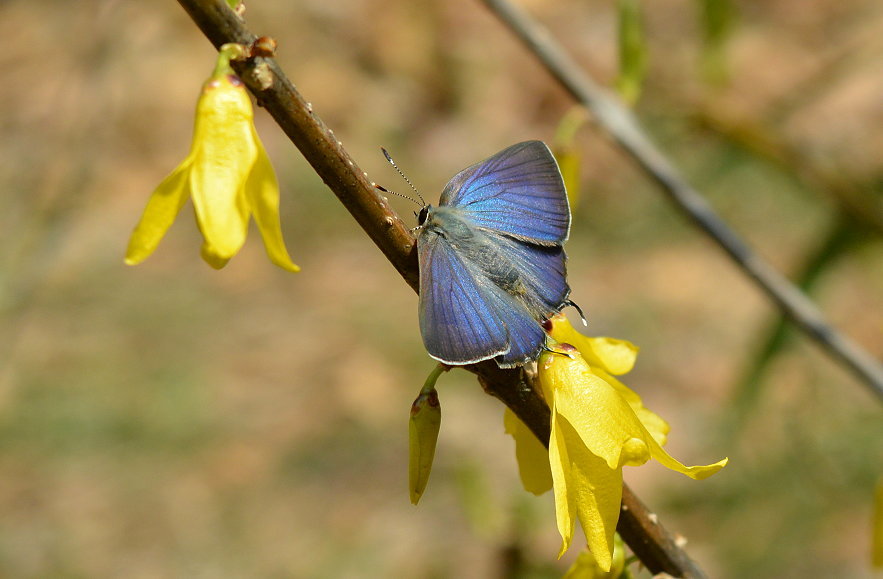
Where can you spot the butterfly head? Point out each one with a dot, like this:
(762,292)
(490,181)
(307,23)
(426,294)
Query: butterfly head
(423,216)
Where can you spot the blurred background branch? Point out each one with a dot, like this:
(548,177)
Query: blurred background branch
(856,220)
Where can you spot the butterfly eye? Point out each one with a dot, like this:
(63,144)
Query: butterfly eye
(424,213)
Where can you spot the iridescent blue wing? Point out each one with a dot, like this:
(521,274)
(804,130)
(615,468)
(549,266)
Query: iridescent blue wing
(465,317)
(458,324)
(524,335)
(517,192)
(542,275)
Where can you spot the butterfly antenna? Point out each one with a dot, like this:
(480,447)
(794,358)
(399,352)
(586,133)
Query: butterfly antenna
(385,190)
(408,181)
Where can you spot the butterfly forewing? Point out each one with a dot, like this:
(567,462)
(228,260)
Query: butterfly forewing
(517,192)
(458,324)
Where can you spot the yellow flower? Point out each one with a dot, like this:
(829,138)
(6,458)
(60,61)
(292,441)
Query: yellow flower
(608,357)
(598,427)
(608,354)
(227,174)
(605,356)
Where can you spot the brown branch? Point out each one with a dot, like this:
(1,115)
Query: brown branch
(648,539)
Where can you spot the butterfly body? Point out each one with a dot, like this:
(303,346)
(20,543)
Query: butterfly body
(492,264)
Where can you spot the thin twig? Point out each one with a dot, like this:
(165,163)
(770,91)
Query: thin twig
(624,128)
(647,538)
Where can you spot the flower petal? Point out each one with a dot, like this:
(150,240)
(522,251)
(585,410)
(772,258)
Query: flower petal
(224,154)
(585,488)
(698,472)
(163,206)
(531,455)
(565,503)
(211,258)
(262,190)
(610,354)
(603,419)
(654,423)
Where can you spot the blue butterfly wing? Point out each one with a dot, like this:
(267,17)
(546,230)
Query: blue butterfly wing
(458,324)
(542,274)
(517,192)
(525,336)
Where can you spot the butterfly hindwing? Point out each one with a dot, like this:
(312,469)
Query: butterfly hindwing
(517,192)
(525,336)
(542,275)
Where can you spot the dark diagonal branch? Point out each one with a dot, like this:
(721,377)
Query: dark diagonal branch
(622,125)
(647,538)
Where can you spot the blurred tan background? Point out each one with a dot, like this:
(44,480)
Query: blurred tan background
(169,420)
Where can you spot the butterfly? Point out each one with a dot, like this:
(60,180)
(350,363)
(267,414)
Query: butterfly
(492,265)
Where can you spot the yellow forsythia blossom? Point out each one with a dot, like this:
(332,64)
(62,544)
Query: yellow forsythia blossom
(598,427)
(605,356)
(227,175)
